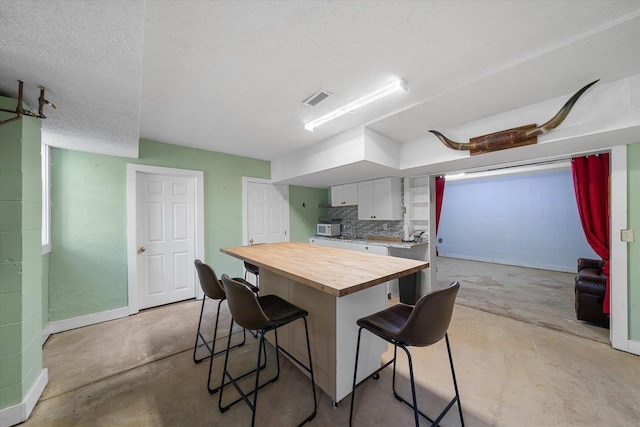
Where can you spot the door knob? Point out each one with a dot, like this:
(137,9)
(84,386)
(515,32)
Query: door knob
(141,249)
(251,241)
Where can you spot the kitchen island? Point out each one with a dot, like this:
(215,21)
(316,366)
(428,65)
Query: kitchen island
(336,287)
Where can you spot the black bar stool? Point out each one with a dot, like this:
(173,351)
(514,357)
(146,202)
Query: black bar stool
(261,314)
(212,289)
(404,326)
(253,269)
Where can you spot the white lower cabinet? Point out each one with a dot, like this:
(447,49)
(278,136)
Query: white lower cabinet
(378,250)
(331,243)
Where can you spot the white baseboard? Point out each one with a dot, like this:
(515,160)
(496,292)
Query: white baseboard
(80,321)
(634,347)
(20,413)
(508,262)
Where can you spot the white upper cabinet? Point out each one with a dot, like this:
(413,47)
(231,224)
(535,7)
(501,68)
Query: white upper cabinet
(344,195)
(380,199)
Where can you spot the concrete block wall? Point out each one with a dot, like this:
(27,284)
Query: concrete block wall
(529,220)
(20,258)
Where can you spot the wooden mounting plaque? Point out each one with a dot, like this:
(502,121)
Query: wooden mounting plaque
(502,140)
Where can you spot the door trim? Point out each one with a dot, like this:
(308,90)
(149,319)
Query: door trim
(132,174)
(619,313)
(245,224)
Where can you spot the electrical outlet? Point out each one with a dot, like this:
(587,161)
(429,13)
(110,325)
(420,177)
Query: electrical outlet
(385,226)
(627,235)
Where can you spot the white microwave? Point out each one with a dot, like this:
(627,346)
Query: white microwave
(328,229)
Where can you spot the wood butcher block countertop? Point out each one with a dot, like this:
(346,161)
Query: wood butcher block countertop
(337,272)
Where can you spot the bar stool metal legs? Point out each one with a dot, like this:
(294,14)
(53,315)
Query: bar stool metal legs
(201,339)
(414,404)
(212,289)
(211,348)
(406,326)
(257,386)
(262,314)
(253,269)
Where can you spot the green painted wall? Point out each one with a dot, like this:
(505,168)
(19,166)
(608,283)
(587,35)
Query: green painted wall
(88,260)
(87,263)
(633,222)
(45,290)
(305,210)
(20,257)
(223,193)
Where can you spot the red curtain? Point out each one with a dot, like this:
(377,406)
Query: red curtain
(591,184)
(439,194)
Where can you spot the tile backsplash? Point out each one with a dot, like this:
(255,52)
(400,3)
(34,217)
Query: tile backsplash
(364,228)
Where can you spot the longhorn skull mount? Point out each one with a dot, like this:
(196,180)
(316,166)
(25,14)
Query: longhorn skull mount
(20,110)
(515,137)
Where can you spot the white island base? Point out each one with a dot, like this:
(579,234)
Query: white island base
(332,330)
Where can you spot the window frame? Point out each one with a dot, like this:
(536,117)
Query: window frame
(46,198)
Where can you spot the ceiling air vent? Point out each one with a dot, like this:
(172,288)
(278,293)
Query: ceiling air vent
(317,98)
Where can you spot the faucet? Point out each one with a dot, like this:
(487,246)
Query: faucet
(347,226)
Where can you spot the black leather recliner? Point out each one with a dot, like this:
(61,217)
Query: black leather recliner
(590,288)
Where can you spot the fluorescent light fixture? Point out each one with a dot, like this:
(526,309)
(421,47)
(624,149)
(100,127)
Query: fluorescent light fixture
(395,86)
(455,176)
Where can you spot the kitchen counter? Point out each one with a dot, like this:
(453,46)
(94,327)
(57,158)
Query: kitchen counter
(374,242)
(336,287)
(336,272)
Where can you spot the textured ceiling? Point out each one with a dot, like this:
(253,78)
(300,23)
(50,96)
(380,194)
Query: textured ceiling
(88,55)
(231,76)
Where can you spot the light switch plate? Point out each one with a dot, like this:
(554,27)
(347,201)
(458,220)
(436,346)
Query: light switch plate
(627,235)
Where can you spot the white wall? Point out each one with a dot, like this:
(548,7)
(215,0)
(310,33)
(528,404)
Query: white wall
(526,220)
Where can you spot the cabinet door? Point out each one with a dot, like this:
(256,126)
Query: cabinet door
(350,194)
(382,198)
(387,199)
(378,250)
(337,195)
(365,200)
(330,243)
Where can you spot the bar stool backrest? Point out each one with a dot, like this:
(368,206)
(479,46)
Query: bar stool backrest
(243,304)
(209,282)
(253,269)
(430,318)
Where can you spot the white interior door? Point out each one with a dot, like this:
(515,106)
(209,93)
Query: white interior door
(165,238)
(267,212)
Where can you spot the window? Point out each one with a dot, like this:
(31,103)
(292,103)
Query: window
(46,200)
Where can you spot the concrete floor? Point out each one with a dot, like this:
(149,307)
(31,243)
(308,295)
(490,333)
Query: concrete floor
(541,297)
(138,371)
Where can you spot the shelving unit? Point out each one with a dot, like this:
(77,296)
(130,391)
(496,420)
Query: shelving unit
(417,203)
(420,208)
